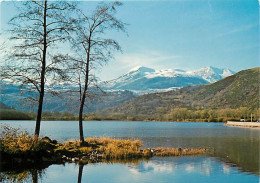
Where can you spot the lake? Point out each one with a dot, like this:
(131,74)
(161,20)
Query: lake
(235,157)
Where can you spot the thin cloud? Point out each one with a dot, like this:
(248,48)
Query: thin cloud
(147,58)
(239,29)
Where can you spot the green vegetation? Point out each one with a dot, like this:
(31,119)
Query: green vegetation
(218,115)
(12,114)
(185,114)
(9,113)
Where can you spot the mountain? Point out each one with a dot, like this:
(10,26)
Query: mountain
(3,106)
(146,80)
(140,79)
(212,74)
(238,90)
(14,96)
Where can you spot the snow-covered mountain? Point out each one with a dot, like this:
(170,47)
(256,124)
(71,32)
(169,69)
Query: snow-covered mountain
(211,74)
(146,80)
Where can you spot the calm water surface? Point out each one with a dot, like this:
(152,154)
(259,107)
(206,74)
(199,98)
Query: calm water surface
(235,157)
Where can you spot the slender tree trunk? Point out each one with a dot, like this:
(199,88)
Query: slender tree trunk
(39,113)
(83,97)
(81,135)
(80,173)
(82,102)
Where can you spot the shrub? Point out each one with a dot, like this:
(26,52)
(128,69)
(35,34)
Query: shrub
(14,140)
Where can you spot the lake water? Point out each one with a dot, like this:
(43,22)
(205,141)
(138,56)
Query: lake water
(235,157)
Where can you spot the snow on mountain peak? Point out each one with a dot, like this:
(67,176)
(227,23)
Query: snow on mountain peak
(141,69)
(147,79)
(167,73)
(211,74)
(227,72)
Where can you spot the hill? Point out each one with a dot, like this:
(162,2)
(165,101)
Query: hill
(9,113)
(236,91)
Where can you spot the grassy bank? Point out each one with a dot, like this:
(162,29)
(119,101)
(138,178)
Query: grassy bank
(177,114)
(20,148)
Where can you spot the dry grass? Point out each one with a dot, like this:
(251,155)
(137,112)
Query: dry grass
(109,148)
(15,141)
(105,148)
(165,151)
(119,149)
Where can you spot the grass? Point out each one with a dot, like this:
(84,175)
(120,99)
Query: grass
(165,151)
(107,148)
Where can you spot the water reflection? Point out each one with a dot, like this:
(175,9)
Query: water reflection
(177,169)
(241,151)
(235,146)
(204,166)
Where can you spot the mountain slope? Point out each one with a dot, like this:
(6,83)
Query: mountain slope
(147,80)
(67,102)
(3,106)
(239,90)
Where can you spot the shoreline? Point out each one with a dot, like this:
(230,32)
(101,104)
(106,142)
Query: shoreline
(111,120)
(243,124)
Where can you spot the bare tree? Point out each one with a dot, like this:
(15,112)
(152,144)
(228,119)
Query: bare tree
(34,61)
(93,49)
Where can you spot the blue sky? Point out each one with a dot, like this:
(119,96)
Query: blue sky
(181,34)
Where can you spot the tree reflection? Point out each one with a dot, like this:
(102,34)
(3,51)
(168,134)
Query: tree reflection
(34,173)
(81,166)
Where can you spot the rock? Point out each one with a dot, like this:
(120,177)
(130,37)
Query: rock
(75,159)
(54,141)
(46,139)
(84,158)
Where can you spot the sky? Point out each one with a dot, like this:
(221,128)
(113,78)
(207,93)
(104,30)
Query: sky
(179,34)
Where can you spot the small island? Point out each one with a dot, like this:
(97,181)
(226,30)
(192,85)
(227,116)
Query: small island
(18,148)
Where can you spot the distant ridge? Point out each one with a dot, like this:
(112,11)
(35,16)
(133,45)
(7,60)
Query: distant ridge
(147,80)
